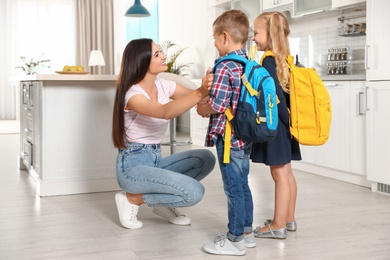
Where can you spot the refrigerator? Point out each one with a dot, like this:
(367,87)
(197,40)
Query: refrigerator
(377,95)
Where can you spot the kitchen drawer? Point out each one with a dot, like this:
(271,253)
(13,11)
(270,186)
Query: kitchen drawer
(29,130)
(27,154)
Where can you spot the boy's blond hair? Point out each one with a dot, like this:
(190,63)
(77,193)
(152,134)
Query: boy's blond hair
(278,32)
(234,22)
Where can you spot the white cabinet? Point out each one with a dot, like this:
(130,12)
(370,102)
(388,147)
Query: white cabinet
(250,7)
(346,3)
(358,127)
(29,126)
(269,5)
(343,156)
(378,131)
(66,127)
(378,92)
(378,40)
(199,127)
(306,7)
(335,153)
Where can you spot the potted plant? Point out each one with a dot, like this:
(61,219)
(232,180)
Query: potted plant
(172,52)
(31,66)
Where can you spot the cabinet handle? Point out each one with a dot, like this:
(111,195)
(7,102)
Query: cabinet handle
(366,57)
(331,85)
(360,111)
(28,130)
(367,106)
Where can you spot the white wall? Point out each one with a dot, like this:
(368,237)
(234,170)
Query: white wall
(189,24)
(182,22)
(185,23)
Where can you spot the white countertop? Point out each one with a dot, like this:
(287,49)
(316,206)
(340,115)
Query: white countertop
(67,77)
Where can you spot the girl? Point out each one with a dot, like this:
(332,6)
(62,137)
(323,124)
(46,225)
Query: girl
(271,32)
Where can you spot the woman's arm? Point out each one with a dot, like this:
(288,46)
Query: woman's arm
(184,99)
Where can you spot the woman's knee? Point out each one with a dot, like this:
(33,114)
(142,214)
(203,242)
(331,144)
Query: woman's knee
(196,194)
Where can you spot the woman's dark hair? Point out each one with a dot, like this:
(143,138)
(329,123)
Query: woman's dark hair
(135,63)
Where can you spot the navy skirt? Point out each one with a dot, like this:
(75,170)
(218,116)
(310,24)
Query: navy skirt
(278,151)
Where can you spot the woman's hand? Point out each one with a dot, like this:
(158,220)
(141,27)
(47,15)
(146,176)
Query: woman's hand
(207,80)
(203,107)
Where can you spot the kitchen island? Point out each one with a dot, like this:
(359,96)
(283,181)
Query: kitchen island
(66,123)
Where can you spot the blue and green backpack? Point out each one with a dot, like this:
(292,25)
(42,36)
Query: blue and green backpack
(256,118)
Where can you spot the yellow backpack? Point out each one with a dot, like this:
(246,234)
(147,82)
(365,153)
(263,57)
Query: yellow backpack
(310,105)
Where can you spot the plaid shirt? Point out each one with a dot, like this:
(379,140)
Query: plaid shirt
(224,93)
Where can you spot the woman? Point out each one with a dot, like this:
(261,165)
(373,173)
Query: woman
(142,109)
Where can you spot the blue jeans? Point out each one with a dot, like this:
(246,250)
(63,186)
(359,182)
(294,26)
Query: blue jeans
(238,193)
(172,181)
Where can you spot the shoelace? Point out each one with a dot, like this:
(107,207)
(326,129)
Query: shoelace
(133,214)
(176,212)
(221,240)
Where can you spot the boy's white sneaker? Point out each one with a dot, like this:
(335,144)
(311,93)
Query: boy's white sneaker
(172,215)
(127,212)
(250,240)
(223,246)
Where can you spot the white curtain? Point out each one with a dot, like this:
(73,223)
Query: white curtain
(95,31)
(31,28)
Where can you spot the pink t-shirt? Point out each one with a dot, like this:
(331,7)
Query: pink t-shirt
(146,129)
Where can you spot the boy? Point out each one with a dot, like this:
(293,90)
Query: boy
(230,32)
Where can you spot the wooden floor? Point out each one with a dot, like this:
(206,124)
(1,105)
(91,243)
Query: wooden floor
(336,220)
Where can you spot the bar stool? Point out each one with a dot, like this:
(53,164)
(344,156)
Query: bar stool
(172,124)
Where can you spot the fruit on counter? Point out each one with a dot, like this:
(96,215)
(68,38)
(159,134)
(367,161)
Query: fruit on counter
(73,68)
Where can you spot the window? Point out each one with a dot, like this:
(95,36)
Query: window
(145,27)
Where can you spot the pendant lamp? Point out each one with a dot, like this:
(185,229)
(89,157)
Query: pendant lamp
(137,10)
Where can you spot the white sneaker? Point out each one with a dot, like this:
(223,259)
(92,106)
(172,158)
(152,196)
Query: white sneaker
(250,240)
(172,215)
(127,212)
(223,246)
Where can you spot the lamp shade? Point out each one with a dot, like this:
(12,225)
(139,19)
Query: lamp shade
(137,10)
(96,58)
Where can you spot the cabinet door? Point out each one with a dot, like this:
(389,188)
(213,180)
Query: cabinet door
(199,127)
(306,7)
(378,131)
(35,93)
(358,127)
(250,7)
(335,153)
(378,40)
(345,3)
(272,4)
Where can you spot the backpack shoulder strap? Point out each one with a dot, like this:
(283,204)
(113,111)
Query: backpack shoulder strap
(266,54)
(290,61)
(230,57)
(228,133)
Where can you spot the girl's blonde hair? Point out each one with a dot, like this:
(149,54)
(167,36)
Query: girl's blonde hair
(278,32)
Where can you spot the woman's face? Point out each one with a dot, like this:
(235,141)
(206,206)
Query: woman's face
(158,60)
(260,35)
